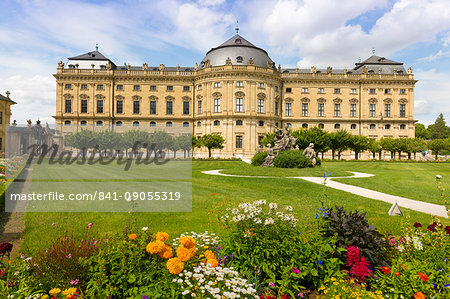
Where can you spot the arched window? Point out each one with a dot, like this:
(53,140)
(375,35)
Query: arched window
(99,123)
(152,124)
(239,122)
(353,126)
(289,125)
(321,126)
(199,124)
(186,124)
(216,123)
(372,126)
(135,124)
(261,123)
(337,126)
(169,124)
(402,127)
(83,123)
(67,123)
(118,123)
(387,127)
(305,126)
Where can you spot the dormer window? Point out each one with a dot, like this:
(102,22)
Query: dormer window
(238,41)
(239,59)
(71,66)
(103,67)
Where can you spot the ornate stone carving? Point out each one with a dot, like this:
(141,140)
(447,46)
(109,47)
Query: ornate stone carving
(217,95)
(68,96)
(387,101)
(373,101)
(119,97)
(61,64)
(251,62)
(84,96)
(310,153)
(410,71)
(99,96)
(321,100)
(228,61)
(283,141)
(313,69)
(199,97)
(186,98)
(261,95)
(170,98)
(153,98)
(239,94)
(329,71)
(305,100)
(136,98)
(337,101)
(403,101)
(289,100)
(353,101)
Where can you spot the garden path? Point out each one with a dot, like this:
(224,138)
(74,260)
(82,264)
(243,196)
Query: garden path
(420,206)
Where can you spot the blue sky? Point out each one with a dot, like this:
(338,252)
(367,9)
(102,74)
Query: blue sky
(36,34)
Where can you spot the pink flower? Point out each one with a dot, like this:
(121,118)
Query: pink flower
(22,256)
(69,256)
(352,255)
(53,224)
(272,284)
(74,282)
(392,242)
(361,269)
(295,270)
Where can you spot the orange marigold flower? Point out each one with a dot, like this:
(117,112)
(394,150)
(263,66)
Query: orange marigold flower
(183,253)
(132,236)
(419,295)
(422,276)
(162,236)
(175,265)
(396,274)
(212,262)
(193,251)
(386,270)
(167,253)
(155,247)
(210,255)
(187,242)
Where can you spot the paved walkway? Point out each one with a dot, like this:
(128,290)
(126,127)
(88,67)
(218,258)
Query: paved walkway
(420,206)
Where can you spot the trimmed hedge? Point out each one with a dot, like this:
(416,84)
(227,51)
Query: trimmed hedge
(292,159)
(258,158)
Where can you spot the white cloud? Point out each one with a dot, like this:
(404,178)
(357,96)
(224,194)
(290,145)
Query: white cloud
(211,2)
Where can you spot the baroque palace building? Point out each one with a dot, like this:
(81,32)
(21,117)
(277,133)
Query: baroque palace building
(236,91)
(5,114)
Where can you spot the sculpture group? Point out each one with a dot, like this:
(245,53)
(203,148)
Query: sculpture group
(284,141)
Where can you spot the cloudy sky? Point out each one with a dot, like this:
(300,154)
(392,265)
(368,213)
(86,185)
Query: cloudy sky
(36,34)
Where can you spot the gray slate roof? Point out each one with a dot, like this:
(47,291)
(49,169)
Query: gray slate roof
(94,55)
(3,98)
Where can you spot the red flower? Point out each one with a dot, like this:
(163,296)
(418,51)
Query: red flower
(285,296)
(432,227)
(360,269)
(417,225)
(386,270)
(447,229)
(5,248)
(396,274)
(422,276)
(352,255)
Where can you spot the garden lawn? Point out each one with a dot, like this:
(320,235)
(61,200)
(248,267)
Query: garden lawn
(210,192)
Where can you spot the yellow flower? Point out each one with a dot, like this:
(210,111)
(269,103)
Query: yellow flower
(162,236)
(69,292)
(187,242)
(44,297)
(336,283)
(155,247)
(209,255)
(54,291)
(321,288)
(333,279)
(166,253)
(206,247)
(212,262)
(183,253)
(175,265)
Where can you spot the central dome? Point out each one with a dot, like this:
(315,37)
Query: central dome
(239,50)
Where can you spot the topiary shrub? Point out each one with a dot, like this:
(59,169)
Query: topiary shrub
(352,229)
(292,159)
(318,161)
(258,158)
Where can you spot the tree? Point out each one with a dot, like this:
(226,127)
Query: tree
(375,147)
(212,141)
(421,131)
(160,140)
(358,144)
(269,138)
(390,145)
(183,142)
(83,140)
(439,129)
(339,141)
(134,139)
(438,145)
(416,145)
(315,135)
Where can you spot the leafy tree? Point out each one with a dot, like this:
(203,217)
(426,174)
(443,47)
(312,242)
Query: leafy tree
(358,144)
(416,145)
(268,138)
(82,140)
(438,145)
(439,129)
(183,142)
(421,131)
(160,140)
(390,145)
(212,141)
(339,141)
(109,140)
(315,135)
(134,139)
(375,147)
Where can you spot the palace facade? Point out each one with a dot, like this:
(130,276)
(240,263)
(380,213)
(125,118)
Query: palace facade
(5,114)
(236,91)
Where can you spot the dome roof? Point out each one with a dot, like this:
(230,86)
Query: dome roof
(239,50)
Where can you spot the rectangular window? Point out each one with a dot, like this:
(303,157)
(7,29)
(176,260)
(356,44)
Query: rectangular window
(238,141)
(304,90)
(288,89)
(337,109)
(239,84)
(99,106)
(372,91)
(260,105)
(84,86)
(372,110)
(136,87)
(100,86)
(260,85)
(353,91)
(387,91)
(216,105)
(186,108)
(321,109)
(136,107)
(186,88)
(353,110)
(239,105)
(288,109)
(68,86)
(200,87)
(119,87)
(169,107)
(84,106)
(304,109)
(1,118)
(260,138)
(321,90)
(276,108)
(119,107)
(199,107)
(216,84)
(337,90)
(402,110)
(387,110)
(152,107)
(153,87)
(402,91)
(68,106)
(169,88)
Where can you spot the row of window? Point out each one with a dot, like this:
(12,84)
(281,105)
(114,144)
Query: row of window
(337,110)
(352,90)
(119,87)
(99,123)
(352,126)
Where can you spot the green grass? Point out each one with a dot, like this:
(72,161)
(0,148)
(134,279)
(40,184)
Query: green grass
(305,197)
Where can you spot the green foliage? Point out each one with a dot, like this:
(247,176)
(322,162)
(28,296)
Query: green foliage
(358,144)
(258,158)
(292,159)
(212,141)
(438,145)
(352,229)
(439,129)
(315,135)
(184,142)
(339,141)
(82,140)
(374,147)
(269,138)
(421,131)
(390,144)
